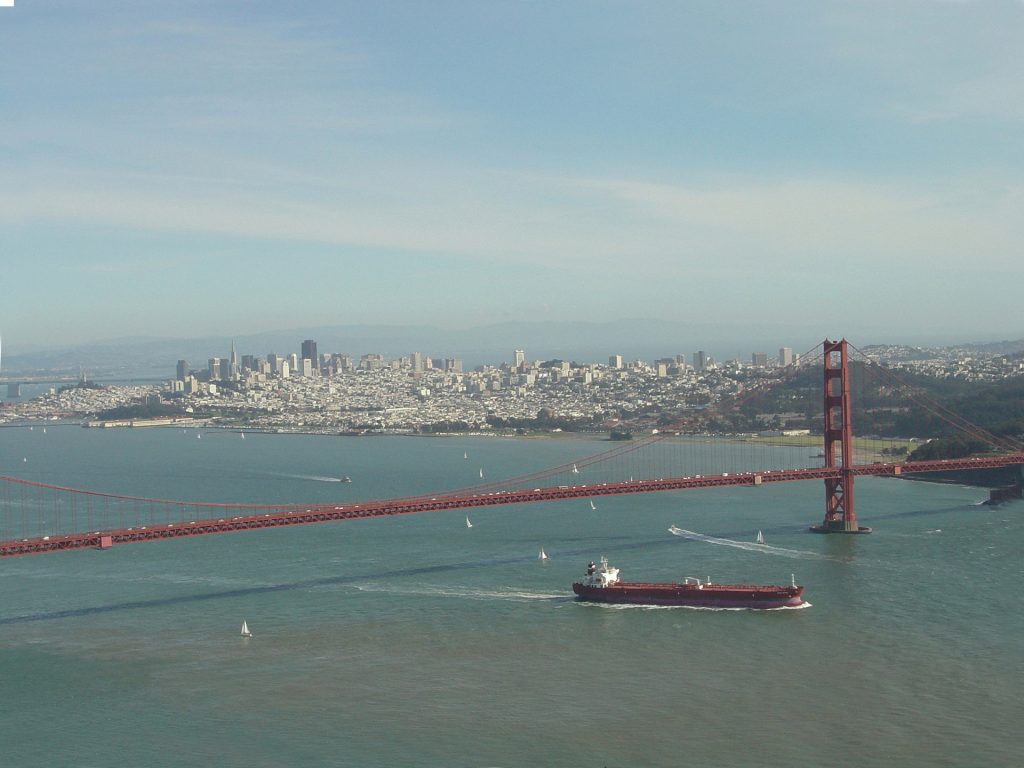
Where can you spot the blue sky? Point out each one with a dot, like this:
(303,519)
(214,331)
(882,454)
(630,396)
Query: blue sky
(221,168)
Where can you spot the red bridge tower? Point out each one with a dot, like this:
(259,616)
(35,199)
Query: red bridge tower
(839,514)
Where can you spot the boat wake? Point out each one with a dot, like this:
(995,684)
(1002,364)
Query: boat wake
(466,594)
(800,607)
(711,608)
(313,478)
(796,554)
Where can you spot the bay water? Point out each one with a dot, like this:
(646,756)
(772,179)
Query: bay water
(416,641)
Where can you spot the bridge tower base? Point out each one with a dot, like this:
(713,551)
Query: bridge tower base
(839,513)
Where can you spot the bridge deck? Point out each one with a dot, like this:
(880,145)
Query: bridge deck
(282,516)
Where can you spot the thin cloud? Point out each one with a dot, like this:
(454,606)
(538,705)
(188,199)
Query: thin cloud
(605,224)
(993,98)
(127,266)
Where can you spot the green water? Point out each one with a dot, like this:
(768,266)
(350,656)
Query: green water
(418,642)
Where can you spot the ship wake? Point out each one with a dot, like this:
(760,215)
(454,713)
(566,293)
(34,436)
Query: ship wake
(313,478)
(766,549)
(709,608)
(465,593)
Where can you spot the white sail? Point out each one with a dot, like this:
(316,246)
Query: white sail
(592,505)
(574,470)
(760,537)
(245,630)
(465,455)
(468,524)
(481,473)
(543,555)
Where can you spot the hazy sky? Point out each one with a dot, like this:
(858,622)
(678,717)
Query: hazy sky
(203,168)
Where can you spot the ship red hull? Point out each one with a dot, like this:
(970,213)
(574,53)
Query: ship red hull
(703,596)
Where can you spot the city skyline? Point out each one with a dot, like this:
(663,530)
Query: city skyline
(485,345)
(310,364)
(195,169)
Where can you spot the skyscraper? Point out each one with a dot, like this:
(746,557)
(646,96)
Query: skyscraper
(615,361)
(182,370)
(700,360)
(233,370)
(759,359)
(785,356)
(520,357)
(309,352)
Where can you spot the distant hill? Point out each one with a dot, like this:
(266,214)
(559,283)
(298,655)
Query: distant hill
(586,341)
(893,407)
(905,353)
(583,340)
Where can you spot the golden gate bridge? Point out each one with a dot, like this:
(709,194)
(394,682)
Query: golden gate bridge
(56,518)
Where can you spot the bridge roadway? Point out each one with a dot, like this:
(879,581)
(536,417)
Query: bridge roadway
(302,515)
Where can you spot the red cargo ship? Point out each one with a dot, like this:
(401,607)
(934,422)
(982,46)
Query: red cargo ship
(602,585)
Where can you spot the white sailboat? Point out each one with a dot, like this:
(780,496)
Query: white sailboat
(242,434)
(592,505)
(543,555)
(245,630)
(760,537)
(574,470)
(468,524)
(465,455)
(481,473)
